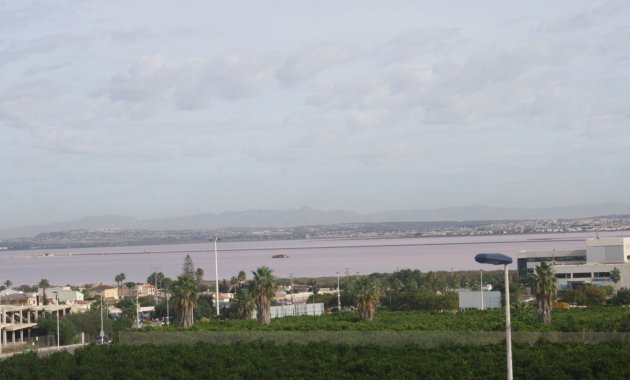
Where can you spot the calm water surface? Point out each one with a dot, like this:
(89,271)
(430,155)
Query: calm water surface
(307,258)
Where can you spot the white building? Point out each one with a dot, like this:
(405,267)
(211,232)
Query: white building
(481,300)
(579,266)
(62,295)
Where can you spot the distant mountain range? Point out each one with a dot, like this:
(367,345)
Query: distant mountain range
(310,216)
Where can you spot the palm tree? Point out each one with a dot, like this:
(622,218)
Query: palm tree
(186,294)
(242,277)
(543,284)
(43,284)
(394,285)
(8,284)
(263,287)
(244,303)
(366,293)
(199,274)
(120,278)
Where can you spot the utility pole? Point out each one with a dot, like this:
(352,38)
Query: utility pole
(137,310)
(58,340)
(168,317)
(292,300)
(338,294)
(216,271)
(481,289)
(155,295)
(102,335)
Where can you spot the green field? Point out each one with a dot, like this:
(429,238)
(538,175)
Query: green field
(590,343)
(325,361)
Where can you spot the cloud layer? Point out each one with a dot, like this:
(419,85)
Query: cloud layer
(117,107)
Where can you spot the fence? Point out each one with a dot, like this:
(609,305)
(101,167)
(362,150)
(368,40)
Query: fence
(297,309)
(41,342)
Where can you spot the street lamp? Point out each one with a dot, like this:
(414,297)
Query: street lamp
(216,271)
(102,333)
(501,259)
(168,317)
(58,340)
(338,294)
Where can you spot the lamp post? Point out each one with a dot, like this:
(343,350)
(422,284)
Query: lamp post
(501,259)
(137,310)
(216,271)
(481,288)
(155,280)
(102,334)
(1,323)
(58,340)
(338,294)
(168,317)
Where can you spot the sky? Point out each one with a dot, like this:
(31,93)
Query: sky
(163,108)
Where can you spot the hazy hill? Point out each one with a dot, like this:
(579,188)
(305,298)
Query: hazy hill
(310,216)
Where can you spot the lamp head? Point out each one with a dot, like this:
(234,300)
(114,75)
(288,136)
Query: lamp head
(493,258)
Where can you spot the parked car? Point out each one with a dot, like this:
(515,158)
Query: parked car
(103,340)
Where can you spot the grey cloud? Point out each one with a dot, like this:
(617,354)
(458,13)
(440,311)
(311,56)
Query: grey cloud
(130,36)
(597,14)
(193,84)
(423,41)
(37,46)
(312,59)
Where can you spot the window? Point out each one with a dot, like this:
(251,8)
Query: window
(581,275)
(539,259)
(571,258)
(602,274)
(563,275)
(558,258)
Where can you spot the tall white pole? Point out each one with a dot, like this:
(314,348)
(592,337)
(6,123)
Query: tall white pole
(168,317)
(155,295)
(481,288)
(216,271)
(1,323)
(508,325)
(338,294)
(102,335)
(58,340)
(137,311)
(292,299)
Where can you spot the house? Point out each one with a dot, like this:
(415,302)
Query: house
(81,306)
(106,291)
(144,290)
(18,298)
(62,295)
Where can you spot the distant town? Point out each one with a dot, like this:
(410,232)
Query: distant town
(102,237)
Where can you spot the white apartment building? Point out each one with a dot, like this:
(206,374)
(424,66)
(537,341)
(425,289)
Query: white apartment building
(62,295)
(579,266)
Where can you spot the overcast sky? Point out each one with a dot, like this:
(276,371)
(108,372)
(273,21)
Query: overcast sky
(161,108)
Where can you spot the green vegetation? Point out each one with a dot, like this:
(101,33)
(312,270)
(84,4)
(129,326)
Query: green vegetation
(322,360)
(44,284)
(543,284)
(263,287)
(186,295)
(366,292)
(603,319)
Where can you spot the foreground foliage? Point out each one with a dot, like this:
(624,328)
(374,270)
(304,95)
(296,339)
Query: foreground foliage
(323,360)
